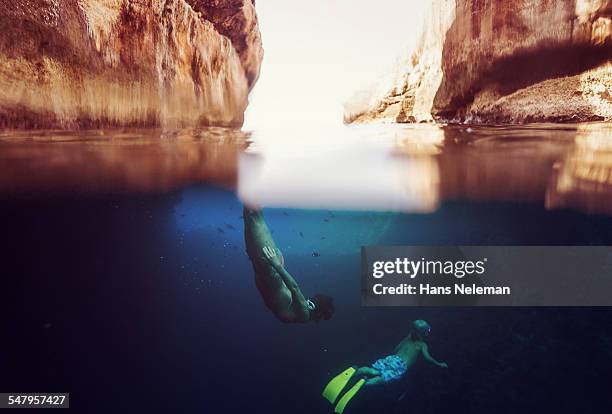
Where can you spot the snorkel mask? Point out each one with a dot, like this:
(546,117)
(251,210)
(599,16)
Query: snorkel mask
(421,327)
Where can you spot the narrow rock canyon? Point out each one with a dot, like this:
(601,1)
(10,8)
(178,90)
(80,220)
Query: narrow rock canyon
(500,61)
(98,63)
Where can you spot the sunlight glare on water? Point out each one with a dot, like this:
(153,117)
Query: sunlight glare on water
(351,168)
(413,168)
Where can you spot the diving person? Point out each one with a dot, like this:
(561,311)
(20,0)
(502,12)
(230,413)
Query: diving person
(384,370)
(279,290)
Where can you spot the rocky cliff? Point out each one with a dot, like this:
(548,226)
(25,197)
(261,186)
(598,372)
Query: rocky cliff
(92,63)
(501,61)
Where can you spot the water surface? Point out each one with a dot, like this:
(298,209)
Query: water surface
(372,167)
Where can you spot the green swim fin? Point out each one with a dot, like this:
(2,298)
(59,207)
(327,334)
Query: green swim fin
(348,396)
(337,384)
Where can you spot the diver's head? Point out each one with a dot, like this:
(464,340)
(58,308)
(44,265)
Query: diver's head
(321,307)
(420,329)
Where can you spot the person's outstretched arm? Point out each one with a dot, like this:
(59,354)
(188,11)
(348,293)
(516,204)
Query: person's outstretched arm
(429,358)
(299,301)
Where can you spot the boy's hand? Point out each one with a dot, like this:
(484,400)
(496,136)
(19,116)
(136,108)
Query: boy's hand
(443,365)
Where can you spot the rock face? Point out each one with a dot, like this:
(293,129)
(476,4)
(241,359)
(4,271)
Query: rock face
(501,61)
(95,63)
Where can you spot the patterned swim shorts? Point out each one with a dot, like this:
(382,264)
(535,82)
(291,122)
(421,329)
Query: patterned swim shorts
(391,368)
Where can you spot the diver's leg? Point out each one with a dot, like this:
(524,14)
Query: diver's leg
(367,372)
(258,238)
(260,246)
(374,381)
(371,375)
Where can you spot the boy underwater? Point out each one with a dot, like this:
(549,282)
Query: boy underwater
(384,370)
(279,290)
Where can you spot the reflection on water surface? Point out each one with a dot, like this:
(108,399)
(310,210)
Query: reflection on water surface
(371,167)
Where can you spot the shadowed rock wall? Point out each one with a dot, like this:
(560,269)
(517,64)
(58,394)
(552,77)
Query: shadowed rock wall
(502,61)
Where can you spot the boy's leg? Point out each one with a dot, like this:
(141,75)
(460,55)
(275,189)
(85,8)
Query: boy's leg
(367,372)
(372,376)
(374,381)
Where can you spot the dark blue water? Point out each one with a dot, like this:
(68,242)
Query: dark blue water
(148,304)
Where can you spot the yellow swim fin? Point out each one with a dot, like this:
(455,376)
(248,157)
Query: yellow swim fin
(337,384)
(348,396)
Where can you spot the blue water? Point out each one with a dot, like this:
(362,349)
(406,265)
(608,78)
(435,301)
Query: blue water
(148,304)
